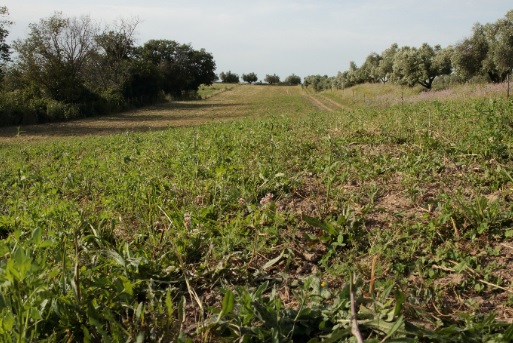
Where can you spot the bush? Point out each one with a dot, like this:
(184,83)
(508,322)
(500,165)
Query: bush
(56,110)
(15,109)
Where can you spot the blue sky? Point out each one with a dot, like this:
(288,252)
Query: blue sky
(282,36)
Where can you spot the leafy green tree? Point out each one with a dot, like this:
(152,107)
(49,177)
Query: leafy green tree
(369,71)
(55,56)
(489,51)
(420,66)
(111,64)
(5,49)
(469,55)
(353,76)
(318,82)
(229,77)
(181,69)
(500,55)
(293,80)
(386,63)
(249,78)
(272,79)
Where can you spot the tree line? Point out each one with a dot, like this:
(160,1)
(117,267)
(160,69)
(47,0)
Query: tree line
(76,67)
(486,55)
(229,77)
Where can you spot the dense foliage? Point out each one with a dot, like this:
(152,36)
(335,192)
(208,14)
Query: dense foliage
(75,67)
(272,79)
(487,54)
(229,77)
(250,78)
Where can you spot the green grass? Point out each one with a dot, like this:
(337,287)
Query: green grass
(261,229)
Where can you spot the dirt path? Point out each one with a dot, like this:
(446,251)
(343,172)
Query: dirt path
(334,103)
(323,103)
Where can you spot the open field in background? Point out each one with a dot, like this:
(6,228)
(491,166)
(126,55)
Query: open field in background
(246,215)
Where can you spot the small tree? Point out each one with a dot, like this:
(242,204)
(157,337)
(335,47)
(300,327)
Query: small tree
(293,80)
(272,79)
(249,78)
(229,77)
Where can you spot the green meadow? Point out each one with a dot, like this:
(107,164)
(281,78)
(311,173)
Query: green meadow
(264,214)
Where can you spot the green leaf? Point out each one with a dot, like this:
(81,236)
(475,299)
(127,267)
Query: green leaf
(228,303)
(270,263)
(36,236)
(169,304)
(114,256)
(139,310)
(327,227)
(400,299)
(508,334)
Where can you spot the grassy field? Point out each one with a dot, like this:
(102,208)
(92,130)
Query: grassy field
(264,214)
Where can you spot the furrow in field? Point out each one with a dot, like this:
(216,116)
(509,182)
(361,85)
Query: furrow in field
(324,103)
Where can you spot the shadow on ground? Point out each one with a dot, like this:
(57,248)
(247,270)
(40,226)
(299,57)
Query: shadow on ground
(154,118)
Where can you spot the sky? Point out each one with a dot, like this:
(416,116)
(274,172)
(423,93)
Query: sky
(283,37)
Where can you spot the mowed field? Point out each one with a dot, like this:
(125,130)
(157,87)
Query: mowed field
(264,213)
(229,103)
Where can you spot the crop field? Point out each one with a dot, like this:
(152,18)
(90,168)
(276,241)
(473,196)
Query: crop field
(264,214)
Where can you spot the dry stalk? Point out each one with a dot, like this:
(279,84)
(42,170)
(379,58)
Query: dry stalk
(354,322)
(373,276)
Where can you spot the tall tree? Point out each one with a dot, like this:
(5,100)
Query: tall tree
(469,55)
(489,51)
(5,49)
(115,52)
(56,53)
(386,63)
(369,71)
(500,38)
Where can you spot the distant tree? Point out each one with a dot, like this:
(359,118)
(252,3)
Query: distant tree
(249,78)
(229,77)
(386,64)
(293,80)
(319,83)
(181,69)
(354,75)
(369,71)
(272,79)
(420,66)
(5,49)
